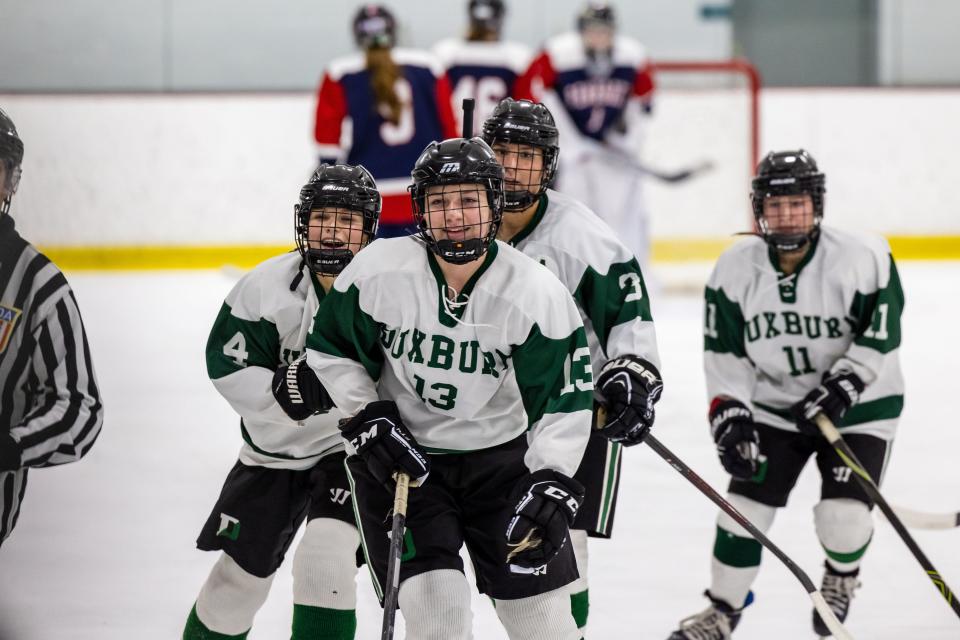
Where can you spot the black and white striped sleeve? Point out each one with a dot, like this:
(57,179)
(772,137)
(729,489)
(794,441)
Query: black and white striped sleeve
(67,413)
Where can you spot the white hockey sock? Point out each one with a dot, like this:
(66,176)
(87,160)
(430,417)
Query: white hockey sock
(231,597)
(736,560)
(845,528)
(325,565)
(543,617)
(436,606)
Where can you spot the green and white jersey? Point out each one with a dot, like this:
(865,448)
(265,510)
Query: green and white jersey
(600,273)
(261,325)
(510,356)
(769,338)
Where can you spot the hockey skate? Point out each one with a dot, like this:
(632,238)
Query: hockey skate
(837,590)
(716,622)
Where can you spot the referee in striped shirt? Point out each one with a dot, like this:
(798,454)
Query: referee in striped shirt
(50,411)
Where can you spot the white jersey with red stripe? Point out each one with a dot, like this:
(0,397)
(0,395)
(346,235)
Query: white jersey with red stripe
(599,109)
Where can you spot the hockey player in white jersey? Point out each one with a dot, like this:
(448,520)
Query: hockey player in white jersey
(607,285)
(482,66)
(599,86)
(801,321)
(291,462)
(465,365)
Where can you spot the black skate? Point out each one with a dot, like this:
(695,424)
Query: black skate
(716,622)
(837,590)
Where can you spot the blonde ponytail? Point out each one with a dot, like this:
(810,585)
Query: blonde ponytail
(384,73)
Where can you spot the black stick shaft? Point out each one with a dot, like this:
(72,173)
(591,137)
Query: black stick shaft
(393,564)
(870,487)
(468,105)
(730,510)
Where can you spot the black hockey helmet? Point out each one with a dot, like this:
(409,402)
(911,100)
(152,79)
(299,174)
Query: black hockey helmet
(784,173)
(374,26)
(451,162)
(343,186)
(11,154)
(528,123)
(596,13)
(487,15)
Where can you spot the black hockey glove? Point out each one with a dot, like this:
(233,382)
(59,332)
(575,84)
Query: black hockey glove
(836,394)
(299,392)
(629,387)
(547,503)
(9,452)
(735,433)
(385,444)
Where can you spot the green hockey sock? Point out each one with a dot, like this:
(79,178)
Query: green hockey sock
(196,630)
(580,607)
(318,623)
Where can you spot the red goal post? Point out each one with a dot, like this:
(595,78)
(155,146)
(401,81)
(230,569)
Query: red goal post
(704,111)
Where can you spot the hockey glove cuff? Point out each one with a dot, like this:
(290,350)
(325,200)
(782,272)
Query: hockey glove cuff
(629,386)
(386,445)
(547,503)
(735,433)
(298,391)
(836,394)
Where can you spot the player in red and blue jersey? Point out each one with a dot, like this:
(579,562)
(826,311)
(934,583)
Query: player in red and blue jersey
(397,102)
(481,66)
(599,86)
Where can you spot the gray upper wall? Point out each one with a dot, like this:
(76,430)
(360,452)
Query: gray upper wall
(245,45)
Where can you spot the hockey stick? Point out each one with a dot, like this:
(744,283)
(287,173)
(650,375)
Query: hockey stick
(846,454)
(670,177)
(393,563)
(836,628)
(923,520)
(468,105)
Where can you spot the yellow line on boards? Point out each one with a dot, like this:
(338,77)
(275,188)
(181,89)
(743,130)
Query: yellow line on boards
(663,250)
(133,258)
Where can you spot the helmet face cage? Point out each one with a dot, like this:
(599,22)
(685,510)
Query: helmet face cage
(338,214)
(457,198)
(459,220)
(374,26)
(11,155)
(787,174)
(517,128)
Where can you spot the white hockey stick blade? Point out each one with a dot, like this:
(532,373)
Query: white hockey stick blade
(836,628)
(923,520)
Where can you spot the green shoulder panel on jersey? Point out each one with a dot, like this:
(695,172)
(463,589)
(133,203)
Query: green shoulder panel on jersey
(553,375)
(723,324)
(613,298)
(877,314)
(235,344)
(343,330)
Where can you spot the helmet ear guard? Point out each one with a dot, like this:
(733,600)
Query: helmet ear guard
(344,187)
(784,173)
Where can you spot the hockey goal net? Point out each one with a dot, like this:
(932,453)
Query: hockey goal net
(705,114)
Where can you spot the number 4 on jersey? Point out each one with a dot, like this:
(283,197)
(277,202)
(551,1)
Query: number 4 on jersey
(236,348)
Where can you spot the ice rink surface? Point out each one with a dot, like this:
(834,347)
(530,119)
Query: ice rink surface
(105,548)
